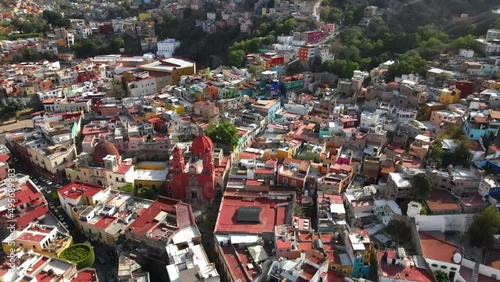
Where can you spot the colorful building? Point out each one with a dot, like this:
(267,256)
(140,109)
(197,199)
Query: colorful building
(449,96)
(193,171)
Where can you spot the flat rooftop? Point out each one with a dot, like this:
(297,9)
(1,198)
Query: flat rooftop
(150,174)
(233,219)
(168,64)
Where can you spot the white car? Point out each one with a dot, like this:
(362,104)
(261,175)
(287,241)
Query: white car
(49,182)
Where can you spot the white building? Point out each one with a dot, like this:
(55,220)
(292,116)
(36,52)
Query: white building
(188,259)
(493,34)
(488,47)
(368,119)
(167,47)
(64,105)
(466,53)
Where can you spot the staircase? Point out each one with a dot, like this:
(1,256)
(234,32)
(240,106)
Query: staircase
(475,273)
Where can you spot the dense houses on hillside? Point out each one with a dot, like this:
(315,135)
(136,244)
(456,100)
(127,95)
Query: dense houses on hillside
(318,185)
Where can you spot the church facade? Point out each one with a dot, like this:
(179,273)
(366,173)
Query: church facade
(193,171)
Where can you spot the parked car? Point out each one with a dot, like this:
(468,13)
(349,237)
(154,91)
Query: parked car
(47,190)
(49,182)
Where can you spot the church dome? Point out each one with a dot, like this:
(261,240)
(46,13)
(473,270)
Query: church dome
(104,148)
(201,144)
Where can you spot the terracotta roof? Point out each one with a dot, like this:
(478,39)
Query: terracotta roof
(441,200)
(436,249)
(201,144)
(103,149)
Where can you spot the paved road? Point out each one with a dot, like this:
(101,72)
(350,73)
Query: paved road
(316,10)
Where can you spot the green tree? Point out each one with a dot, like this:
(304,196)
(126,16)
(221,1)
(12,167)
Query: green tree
(223,133)
(462,155)
(117,43)
(331,14)
(467,41)
(423,185)
(484,227)
(236,58)
(440,276)
(429,31)
(55,19)
(81,254)
(28,54)
(409,63)
(436,153)
(433,41)
(147,193)
(342,68)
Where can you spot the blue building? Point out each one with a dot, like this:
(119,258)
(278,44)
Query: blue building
(360,250)
(477,125)
(267,108)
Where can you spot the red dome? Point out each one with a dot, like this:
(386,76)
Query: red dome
(201,144)
(103,149)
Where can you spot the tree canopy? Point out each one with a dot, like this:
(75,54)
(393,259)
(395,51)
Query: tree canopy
(223,133)
(459,156)
(55,19)
(484,227)
(94,47)
(342,68)
(423,185)
(409,63)
(441,276)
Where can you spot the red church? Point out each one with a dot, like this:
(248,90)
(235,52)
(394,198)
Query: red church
(192,174)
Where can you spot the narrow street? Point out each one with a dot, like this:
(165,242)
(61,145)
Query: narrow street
(206,225)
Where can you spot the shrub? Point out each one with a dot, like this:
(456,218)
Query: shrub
(81,254)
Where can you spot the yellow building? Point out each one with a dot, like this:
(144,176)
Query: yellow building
(143,117)
(43,239)
(144,16)
(174,66)
(449,96)
(150,175)
(428,108)
(281,153)
(28,89)
(496,85)
(178,108)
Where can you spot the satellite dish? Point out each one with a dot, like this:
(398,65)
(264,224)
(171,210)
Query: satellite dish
(457,258)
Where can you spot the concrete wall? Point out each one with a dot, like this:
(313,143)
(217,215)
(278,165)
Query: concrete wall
(443,223)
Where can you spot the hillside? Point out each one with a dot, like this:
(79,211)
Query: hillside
(443,14)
